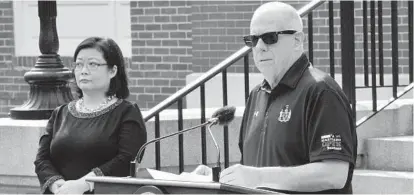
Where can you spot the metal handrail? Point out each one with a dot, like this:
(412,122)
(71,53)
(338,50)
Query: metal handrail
(196,83)
(217,69)
(390,101)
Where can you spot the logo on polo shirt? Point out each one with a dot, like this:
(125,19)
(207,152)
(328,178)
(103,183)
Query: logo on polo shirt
(331,142)
(285,114)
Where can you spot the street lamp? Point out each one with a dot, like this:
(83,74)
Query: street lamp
(48,79)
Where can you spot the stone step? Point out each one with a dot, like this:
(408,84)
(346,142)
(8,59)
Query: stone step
(390,153)
(382,182)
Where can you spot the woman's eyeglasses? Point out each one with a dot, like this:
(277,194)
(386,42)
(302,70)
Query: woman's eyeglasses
(90,65)
(268,38)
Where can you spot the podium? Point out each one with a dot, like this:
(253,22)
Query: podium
(125,185)
(158,182)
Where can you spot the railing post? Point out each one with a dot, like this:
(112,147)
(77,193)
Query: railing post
(157,145)
(410,41)
(348,51)
(373,58)
(246,77)
(180,137)
(310,36)
(394,46)
(331,40)
(225,128)
(203,120)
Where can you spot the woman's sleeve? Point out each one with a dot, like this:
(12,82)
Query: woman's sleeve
(132,136)
(46,172)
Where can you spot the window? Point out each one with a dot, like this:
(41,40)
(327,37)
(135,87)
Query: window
(76,20)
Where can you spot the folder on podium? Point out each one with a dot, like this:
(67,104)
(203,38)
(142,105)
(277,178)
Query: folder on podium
(159,182)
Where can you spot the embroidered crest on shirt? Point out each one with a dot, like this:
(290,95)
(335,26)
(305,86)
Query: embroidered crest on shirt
(331,142)
(285,114)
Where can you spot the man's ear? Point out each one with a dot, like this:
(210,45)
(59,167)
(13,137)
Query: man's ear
(299,39)
(113,71)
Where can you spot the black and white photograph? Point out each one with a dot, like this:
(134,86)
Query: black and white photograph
(206,97)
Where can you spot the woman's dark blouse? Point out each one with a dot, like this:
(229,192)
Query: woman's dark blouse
(75,143)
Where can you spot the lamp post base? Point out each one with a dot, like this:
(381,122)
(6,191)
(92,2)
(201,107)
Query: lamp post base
(49,89)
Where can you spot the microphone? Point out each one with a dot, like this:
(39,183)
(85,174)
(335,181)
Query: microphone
(222,116)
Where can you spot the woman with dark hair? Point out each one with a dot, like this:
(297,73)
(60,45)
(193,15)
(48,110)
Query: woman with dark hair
(98,134)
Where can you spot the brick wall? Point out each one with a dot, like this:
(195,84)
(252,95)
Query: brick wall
(402,35)
(321,36)
(171,39)
(9,79)
(217,28)
(161,49)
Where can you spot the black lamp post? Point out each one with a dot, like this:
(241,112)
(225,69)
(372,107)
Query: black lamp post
(48,79)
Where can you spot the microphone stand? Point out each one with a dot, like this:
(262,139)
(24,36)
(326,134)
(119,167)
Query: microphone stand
(215,169)
(135,164)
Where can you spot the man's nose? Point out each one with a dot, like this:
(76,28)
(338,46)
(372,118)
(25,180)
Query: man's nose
(261,45)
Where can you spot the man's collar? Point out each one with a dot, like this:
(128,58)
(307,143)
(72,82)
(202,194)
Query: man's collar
(292,76)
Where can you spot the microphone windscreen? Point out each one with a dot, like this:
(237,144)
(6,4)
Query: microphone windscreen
(224,115)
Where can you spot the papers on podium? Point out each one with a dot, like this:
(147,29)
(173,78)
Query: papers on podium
(161,175)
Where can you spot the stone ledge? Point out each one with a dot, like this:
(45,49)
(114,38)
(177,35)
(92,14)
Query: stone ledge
(10,180)
(195,113)
(22,123)
(235,91)
(382,182)
(389,174)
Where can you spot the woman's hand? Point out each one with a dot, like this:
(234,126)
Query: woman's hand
(56,185)
(203,170)
(73,187)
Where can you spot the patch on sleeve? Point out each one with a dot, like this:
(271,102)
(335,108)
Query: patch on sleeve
(331,142)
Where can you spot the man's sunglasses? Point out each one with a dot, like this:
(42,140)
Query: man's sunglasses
(268,38)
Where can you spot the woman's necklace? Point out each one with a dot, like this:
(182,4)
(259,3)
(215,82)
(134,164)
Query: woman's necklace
(83,108)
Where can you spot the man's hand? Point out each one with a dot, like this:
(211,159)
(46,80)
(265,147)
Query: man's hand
(203,170)
(241,175)
(73,187)
(56,185)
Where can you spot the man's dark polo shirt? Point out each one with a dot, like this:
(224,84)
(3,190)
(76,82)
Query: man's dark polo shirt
(305,119)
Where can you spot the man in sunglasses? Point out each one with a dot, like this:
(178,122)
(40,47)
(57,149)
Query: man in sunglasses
(297,134)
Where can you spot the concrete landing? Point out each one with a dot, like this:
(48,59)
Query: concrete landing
(382,182)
